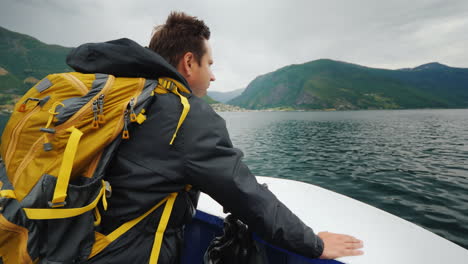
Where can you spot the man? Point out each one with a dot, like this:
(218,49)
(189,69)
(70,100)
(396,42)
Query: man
(146,168)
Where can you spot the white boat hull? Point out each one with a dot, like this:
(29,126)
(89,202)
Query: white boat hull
(387,238)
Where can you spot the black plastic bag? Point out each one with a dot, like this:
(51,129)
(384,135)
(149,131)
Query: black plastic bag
(236,245)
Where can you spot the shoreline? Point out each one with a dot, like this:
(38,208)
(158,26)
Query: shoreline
(232,108)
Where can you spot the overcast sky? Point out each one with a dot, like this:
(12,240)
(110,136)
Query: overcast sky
(252,37)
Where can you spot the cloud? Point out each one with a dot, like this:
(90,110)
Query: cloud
(250,38)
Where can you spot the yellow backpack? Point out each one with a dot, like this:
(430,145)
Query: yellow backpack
(55,148)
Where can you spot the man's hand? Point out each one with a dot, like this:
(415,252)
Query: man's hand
(338,245)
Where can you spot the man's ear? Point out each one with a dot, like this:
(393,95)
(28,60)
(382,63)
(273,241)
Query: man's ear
(185,64)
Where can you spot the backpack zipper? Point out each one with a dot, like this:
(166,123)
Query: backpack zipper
(78,84)
(95,107)
(68,123)
(72,120)
(17,130)
(100,103)
(27,158)
(118,128)
(15,134)
(98,112)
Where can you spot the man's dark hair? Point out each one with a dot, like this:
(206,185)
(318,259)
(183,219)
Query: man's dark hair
(181,34)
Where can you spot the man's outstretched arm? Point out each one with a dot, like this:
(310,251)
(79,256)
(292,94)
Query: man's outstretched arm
(215,167)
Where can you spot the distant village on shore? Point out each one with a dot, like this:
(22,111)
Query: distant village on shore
(218,107)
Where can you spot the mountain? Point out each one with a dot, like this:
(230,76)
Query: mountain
(223,97)
(328,84)
(209,100)
(320,84)
(25,60)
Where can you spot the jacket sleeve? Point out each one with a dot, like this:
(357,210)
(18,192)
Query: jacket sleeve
(215,167)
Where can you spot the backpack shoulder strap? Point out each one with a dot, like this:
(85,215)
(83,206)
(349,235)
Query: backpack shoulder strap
(170,85)
(102,241)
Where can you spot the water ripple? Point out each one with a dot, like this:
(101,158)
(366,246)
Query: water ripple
(410,163)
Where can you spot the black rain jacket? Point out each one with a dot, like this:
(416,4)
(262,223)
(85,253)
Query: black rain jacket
(146,168)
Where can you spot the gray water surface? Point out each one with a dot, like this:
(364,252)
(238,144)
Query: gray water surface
(411,163)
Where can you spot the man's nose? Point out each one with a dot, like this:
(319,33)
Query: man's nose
(212,78)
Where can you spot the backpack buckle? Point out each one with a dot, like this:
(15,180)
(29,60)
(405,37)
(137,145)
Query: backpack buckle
(54,205)
(108,188)
(168,85)
(171,86)
(47,130)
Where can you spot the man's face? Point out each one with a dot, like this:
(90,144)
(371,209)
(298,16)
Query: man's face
(202,75)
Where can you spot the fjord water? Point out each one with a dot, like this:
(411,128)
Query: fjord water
(411,163)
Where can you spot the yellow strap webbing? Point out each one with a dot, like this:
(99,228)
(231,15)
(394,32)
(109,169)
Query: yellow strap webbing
(167,85)
(8,194)
(97,215)
(185,111)
(103,241)
(52,113)
(162,228)
(60,192)
(54,213)
(100,243)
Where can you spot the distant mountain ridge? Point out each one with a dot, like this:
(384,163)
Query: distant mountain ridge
(224,97)
(25,60)
(329,84)
(208,99)
(319,84)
